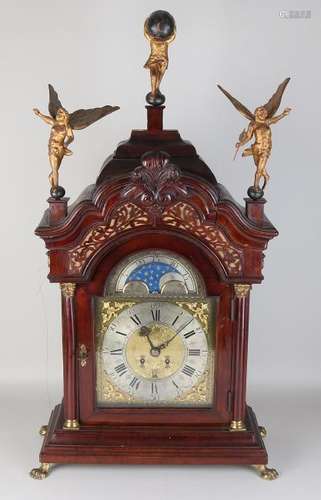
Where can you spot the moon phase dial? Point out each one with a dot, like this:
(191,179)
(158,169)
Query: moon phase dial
(155,272)
(154,353)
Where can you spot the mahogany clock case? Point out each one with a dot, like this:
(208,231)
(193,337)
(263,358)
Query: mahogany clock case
(195,217)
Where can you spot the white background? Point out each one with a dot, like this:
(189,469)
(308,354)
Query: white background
(93,53)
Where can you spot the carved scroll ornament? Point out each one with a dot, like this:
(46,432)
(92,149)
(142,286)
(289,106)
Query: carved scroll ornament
(127,216)
(181,216)
(156,183)
(184,216)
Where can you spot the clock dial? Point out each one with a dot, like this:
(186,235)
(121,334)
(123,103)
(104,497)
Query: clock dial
(155,272)
(155,352)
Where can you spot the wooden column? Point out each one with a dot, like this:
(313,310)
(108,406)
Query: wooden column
(69,356)
(241,303)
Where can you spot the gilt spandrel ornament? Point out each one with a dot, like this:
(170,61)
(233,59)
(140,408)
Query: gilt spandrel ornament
(259,128)
(160,31)
(62,125)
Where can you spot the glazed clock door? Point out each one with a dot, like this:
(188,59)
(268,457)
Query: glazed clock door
(155,342)
(152,335)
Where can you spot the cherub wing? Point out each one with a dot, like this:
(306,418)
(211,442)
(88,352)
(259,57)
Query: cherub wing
(238,105)
(273,104)
(82,118)
(54,102)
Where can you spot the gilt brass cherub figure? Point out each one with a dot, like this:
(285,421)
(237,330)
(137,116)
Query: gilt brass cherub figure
(62,125)
(259,127)
(160,31)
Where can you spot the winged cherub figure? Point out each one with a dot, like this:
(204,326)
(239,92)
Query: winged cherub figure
(62,125)
(259,127)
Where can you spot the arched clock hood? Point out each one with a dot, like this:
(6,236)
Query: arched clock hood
(155,181)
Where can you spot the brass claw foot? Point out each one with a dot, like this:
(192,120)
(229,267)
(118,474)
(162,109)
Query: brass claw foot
(40,472)
(266,473)
(43,430)
(262,431)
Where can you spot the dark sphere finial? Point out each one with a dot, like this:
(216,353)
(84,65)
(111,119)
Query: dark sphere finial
(161,25)
(155,100)
(255,193)
(57,192)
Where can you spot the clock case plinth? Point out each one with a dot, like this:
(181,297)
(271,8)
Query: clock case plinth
(196,217)
(152,445)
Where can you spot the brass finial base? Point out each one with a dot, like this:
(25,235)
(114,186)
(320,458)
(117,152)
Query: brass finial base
(237,425)
(71,425)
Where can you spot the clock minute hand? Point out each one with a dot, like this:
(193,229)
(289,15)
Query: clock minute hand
(165,344)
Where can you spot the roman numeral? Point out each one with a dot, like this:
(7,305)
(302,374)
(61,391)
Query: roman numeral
(188,370)
(174,383)
(121,333)
(189,334)
(154,389)
(121,369)
(135,383)
(136,319)
(175,320)
(116,352)
(194,352)
(156,314)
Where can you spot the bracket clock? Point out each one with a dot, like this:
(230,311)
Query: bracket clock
(155,263)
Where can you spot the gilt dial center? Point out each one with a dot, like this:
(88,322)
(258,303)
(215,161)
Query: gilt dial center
(158,344)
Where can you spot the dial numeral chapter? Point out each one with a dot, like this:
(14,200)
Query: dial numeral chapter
(154,388)
(156,314)
(189,334)
(116,352)
(136,319)
(121,333)
(175,320)
(121,369)
(194,352)
(135,383)
(188,370)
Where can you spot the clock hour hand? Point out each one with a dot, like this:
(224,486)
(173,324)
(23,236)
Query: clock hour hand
(145,332)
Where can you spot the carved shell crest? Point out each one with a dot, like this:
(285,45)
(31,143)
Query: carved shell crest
(156,182)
